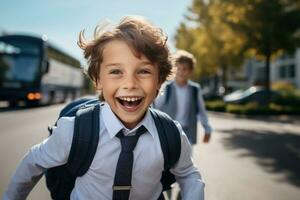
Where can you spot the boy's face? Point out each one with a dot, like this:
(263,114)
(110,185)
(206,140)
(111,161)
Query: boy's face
(129,84)
(184,71)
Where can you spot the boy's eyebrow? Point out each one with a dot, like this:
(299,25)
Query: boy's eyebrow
(112,64)
(146,62)
(119,64)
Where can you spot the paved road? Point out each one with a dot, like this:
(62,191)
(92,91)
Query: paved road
(246,159)
(250,159)
(19,130)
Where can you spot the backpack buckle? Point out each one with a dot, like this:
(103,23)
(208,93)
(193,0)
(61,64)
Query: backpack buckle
(121,187)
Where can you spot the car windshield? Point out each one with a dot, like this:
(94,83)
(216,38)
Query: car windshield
(237,92)
(234,95)
(250,91)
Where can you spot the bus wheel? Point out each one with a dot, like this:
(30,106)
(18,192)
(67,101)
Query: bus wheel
(52,98)
(13,104)
(32,103)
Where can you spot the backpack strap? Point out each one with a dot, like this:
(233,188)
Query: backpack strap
(195,96)
(70,109)
(170,142)
(168,89)
(74,106)
(85,140)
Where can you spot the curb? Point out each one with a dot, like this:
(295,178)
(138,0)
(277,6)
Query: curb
(292,119)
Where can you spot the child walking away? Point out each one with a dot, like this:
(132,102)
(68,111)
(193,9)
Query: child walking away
(128,63)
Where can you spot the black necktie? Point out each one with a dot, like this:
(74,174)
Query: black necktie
(122,182)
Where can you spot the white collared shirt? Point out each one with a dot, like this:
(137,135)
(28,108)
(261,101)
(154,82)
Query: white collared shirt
(183,104)
(98,181)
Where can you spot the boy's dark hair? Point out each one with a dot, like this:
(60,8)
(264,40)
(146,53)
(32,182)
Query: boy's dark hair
(184,57)
(143,37)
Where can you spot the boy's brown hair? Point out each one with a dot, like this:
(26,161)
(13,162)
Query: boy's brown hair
(144,39)
(184,57)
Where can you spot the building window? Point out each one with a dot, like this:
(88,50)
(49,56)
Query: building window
(287,71)
(291,71)
(260,74)
(282,71)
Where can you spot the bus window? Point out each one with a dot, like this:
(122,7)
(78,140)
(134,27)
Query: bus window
(9,49)
(19,67)
(19,47)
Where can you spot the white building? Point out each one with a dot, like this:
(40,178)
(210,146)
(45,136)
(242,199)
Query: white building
(284,69)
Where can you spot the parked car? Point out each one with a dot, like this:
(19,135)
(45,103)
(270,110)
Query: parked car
(252,94)
(209,96)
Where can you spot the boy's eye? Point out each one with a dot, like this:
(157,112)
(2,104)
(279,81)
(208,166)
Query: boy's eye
(144,71)
(115,71)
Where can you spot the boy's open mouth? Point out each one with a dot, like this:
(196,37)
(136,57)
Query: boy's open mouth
(130,102)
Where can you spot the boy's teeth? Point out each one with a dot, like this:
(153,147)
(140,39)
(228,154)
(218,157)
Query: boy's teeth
(130,98)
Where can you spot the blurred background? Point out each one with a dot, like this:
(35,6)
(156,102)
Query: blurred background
(248,64)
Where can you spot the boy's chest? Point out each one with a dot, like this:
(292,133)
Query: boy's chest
(148,158)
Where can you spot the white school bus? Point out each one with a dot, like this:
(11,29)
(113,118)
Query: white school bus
(34,71)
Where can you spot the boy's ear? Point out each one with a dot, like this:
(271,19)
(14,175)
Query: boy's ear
(98,85)
(159,86)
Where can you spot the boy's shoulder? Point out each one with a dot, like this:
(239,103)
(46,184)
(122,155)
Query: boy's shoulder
(64,124)
(189,82)
(194,84)
(168,83)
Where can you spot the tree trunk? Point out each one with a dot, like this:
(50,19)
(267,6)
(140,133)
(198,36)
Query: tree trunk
(224,79)
(268,79)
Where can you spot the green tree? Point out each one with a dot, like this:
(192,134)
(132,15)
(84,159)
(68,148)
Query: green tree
(215,45)
(269,26)
(184,38)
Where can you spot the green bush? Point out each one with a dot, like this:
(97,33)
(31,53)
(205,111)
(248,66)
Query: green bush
(235,108)
(288,99)
(283,86)
(286,105)
(255,109)
(247,109)
(216,105)
(285,109)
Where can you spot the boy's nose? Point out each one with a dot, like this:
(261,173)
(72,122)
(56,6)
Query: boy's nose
(130,83)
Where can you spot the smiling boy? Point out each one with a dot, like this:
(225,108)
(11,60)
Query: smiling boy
(128,83)
(128,64)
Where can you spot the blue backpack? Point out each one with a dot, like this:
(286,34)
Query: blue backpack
(60,180)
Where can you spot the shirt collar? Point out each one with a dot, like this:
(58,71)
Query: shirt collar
(180,86)
(114,125)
